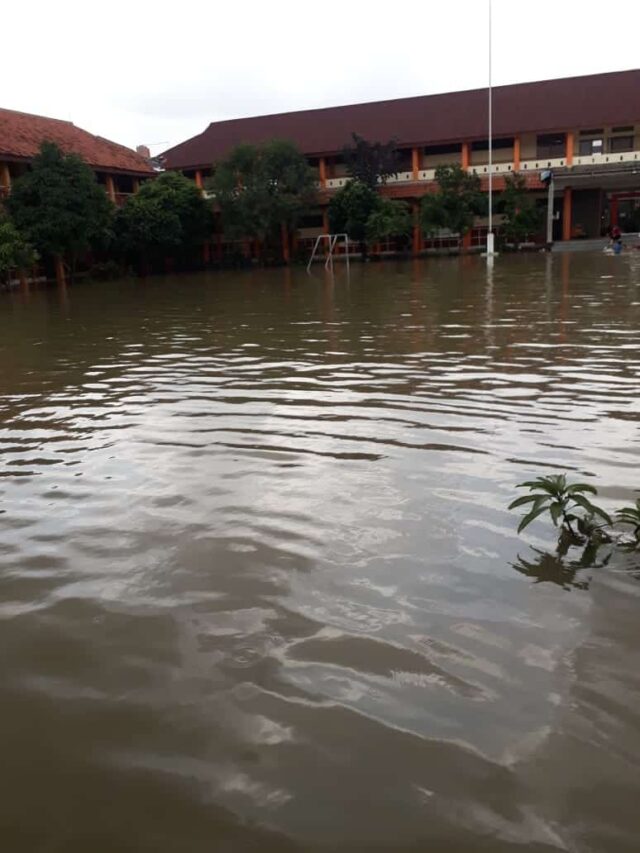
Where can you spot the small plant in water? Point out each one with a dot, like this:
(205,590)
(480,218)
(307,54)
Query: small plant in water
(567,505)
(631,515)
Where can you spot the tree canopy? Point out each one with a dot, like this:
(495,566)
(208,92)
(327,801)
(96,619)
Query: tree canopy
(359,211)
(521,216)
(15,252)
(389,219)
(167,216)
(350,208)
(59,206)
(371,162)
(261,188)
(456,203)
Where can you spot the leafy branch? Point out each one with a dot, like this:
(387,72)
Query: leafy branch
(565,502)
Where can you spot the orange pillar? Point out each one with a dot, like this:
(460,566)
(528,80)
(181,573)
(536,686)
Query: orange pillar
(566,214)
(417,236)
(466,155)
(466,240)
(6,178)
(322,169)
(136,185)
(111,188)
(569,156)
(516,153)
(198,179)
(60,276)
(284,235)
(415,163)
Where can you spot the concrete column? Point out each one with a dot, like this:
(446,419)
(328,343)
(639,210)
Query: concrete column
(466,241)
(569,155)
(417,236)
(415,163)
(136,185)
(516,153)
(566,213)
(322,169)
(111,188)
(466,155)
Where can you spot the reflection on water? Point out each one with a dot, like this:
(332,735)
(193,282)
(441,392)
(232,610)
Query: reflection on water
(545,567)
(257,586)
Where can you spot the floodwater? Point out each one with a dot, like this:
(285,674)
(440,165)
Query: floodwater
(259,588)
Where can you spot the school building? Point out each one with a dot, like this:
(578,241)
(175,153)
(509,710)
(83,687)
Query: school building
(585,130)
(119,169)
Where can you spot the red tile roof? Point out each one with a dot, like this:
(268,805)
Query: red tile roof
(548,106)
(21,135)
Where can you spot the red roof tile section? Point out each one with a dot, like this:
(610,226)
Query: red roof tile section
(548,106)
(21,135)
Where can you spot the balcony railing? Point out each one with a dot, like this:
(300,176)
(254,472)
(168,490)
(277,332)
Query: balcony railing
(533,165)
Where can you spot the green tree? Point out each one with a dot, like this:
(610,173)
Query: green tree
(350,209)
(59,206)
(371,162)
(166,217)
(521,215)
(456,203)
(389,219)
(16,254)
(262,189)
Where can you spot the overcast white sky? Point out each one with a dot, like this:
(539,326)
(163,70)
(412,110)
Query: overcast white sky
(157,73)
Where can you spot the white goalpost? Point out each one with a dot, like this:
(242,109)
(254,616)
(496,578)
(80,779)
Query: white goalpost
(332,242)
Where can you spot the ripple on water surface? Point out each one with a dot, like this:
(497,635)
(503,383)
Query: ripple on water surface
(259,588)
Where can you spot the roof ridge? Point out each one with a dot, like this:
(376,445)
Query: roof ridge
(351,105)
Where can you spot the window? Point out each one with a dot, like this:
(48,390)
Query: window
(497,144)
(621,143)
(590,146)
(551,145)
(442,149)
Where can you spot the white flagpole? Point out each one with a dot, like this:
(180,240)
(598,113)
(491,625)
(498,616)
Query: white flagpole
(490,236)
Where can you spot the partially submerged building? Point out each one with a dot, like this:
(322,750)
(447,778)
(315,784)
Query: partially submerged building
(585,130)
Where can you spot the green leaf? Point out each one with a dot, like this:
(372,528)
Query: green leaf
(540,483)
(556,512)
(627,518)
(592,509)
(535,512)
(527,499)
(581,487)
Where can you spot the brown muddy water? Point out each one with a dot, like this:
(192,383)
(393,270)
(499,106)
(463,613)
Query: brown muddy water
(259,588)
